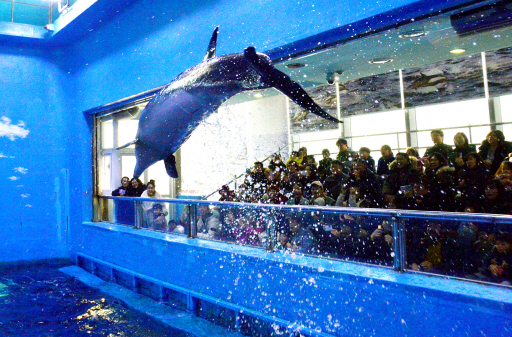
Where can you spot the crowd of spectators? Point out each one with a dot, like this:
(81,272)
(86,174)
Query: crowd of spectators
(445,178)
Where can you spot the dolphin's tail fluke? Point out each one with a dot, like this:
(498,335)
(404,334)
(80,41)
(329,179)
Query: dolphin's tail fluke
(210,52)
(282,82)
(128,144)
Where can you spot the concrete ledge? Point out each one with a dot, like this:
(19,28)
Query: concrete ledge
(177,319)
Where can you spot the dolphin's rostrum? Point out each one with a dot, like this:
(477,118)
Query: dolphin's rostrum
(173,113)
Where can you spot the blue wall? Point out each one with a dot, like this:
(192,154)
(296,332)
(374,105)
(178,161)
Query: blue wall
(33,166)
(140,46)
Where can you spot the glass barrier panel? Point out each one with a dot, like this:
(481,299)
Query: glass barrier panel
(476,250)
(106,210)
(124,212)
(164,216)
(247,225)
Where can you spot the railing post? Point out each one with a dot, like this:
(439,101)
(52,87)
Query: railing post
(271,232)
(192,223)
(398,244)
(138,214)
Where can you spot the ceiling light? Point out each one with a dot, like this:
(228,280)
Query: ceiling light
(411,33)
(380,61)
(295,65)
(258,95)
(458,51)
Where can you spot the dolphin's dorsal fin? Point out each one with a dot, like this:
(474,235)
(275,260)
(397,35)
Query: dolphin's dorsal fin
(210,52)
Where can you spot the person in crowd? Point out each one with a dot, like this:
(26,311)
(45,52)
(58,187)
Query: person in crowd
(342,239)
(366,181)
(257,181)
(274,196)
(147,206)
(208,224)
(335,183)
(319,197)
(384,161)
(432,164)
(472,179)
(402,176)
(295,156)
(498,266)
(137,188)
(226,231)
(277,161)
(246,233)
(504,174)
(294,175)
(464,258)
(300,239)
(175,227)
(439,147)
(303,153)
(297,196)
(309,160)
(311,175)
(461,150)
(279,178)
(494,150)
(430,251)
(345,155)
(156,218)
(420,199)
(414,158)
(380,243)
(124,210)
(324,166)
(364,153)
(496,200)
(226,194)
(440,179)
(124,189)
(354,198)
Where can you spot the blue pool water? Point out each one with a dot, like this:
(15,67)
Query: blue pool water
(40,301)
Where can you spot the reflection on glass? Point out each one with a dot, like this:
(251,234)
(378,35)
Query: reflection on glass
(107,134)
(384,122)
(105,173)
(158,173)
(127,166)
(126,131)
(471,112)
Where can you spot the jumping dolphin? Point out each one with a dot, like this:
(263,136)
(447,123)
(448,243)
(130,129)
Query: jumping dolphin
(173,113)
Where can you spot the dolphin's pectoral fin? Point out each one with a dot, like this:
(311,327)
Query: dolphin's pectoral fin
(282,82)
(170,166)
(210,52)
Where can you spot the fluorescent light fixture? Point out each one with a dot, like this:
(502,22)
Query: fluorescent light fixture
(411,34)
(457,51)
(380,61)
(295,65)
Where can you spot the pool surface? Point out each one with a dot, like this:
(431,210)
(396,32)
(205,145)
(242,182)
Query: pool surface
(39,300)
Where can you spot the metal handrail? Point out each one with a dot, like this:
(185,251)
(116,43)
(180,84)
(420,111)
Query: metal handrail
(401,213)
(240,175)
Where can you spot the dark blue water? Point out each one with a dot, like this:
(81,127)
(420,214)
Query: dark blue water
(40,301)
